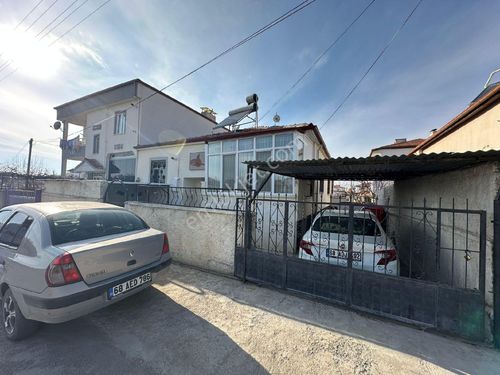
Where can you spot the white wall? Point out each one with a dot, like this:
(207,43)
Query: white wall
(163,120)
(72,190)
(178,167)
(191,234)
(108,140)
(391,151)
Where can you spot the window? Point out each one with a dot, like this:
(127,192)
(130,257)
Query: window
(79,225)
(242,168)
(4,215)
(229,146)
(95,144)
(260,175)
(158,171)
(214,148)
(14,230)
(120,122)
(214,171)
(97,127)
(283,184)
(282,140)
(340,225)
(300,149)
(264,142)
(228,171)
(245,144)
(122,169)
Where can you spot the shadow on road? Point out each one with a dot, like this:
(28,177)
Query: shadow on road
(146,333)
(448,353)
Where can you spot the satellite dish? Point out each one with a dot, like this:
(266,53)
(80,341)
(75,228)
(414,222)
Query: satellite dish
(57,125)
(276,118)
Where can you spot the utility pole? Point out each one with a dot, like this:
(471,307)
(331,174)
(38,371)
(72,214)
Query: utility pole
(29,164)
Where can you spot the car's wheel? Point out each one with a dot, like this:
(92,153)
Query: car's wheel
(15,325)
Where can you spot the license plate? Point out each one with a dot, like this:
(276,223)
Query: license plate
(129,285)
(342,254)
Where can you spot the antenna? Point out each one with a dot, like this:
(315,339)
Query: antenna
(490,77)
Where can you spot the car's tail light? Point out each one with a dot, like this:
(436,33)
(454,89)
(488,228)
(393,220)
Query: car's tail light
(386,256)
(166,247)
(62,271)
(306,246)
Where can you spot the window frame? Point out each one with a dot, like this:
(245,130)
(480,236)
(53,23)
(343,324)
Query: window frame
(117,126)
(166,170)
(95,150)
(2,228)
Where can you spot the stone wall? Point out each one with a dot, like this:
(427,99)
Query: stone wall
(199,237)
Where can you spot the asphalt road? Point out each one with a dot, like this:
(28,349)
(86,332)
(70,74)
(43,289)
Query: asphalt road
(192,322)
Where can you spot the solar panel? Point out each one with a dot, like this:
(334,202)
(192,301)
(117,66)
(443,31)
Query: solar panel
(237,115)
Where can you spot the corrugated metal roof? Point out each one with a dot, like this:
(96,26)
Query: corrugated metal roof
(377,167)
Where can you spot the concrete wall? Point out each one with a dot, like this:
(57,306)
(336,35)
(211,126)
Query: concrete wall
(163,119)
(73,190)
(478,184)
(201,238)
(177,157)
(482,133)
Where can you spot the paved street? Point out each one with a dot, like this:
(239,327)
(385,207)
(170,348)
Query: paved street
(193,322)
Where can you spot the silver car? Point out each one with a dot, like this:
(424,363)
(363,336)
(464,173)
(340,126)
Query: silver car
(61,260)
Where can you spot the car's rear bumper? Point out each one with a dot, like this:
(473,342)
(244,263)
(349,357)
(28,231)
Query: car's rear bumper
(58,309)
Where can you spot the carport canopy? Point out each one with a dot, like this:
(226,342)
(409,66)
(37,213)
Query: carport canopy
(381,168)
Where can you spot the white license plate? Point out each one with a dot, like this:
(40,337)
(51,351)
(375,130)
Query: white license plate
(129,285)
(342,254)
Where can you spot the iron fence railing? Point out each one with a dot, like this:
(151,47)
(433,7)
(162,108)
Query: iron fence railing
(444,245)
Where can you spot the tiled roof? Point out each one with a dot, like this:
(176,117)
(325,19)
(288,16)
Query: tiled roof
(407,144)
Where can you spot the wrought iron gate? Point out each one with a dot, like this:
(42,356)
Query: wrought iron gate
(421,265)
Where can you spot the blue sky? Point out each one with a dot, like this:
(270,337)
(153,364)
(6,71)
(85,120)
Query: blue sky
(432,71)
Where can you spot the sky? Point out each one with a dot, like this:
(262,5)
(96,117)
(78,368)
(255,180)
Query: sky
(433,69)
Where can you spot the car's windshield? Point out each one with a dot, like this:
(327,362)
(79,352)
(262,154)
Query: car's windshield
(81,225)
(340,225)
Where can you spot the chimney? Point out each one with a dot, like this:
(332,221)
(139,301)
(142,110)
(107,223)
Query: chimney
(400,140)
(209,113)
(431,133)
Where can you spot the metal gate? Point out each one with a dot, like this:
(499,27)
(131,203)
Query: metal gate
(421,265)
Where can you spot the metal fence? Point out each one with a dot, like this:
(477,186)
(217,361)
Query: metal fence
(419,264)
(207,198)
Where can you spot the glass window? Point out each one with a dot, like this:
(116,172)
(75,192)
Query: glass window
(120,122)
(281,140)
(242,168)
(81,225)
(264,142)
(229,146)
(283,184)
(158,171)
(283,154)
(13,231)
(245,144)
(214,148)
(340,225)
(95,144)
(4,215)
(228,171)
(214,171)
(260,175)
(300,149)
(122,169)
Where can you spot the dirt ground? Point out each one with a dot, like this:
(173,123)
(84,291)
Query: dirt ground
(192,322)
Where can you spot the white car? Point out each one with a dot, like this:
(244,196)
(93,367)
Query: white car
(326,241)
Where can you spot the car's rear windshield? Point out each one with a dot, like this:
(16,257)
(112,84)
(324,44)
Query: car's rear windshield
(81,225)
(340,225)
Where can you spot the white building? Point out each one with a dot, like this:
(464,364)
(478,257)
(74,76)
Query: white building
(216,160)
(401,146)
(117,119)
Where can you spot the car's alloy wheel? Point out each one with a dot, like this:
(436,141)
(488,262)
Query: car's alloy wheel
(9,314)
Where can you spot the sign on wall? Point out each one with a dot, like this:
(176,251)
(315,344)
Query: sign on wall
(196,161)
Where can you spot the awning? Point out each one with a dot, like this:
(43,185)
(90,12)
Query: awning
(376,168)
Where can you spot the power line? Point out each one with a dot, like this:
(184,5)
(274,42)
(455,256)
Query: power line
(394,36)
(41,15)
(64,34)
(28,14)
(263,29)
(55,19)
(316,61)
(64,19)
(78,23)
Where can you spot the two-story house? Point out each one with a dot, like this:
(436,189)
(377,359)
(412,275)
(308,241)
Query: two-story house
(117,119)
